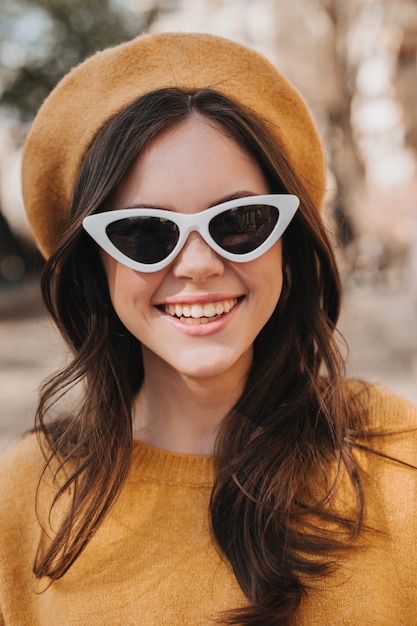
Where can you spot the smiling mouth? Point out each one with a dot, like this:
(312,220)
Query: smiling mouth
(200,313)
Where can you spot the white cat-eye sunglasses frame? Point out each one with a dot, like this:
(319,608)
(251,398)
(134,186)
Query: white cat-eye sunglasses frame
(286,205)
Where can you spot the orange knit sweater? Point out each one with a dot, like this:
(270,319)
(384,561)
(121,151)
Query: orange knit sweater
(153,561)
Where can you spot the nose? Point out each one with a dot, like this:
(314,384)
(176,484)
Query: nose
(197,261)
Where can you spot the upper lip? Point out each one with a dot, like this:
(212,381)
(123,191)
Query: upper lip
(198,299)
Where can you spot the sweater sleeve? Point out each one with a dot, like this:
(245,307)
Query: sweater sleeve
(375,581)
(20,469)
(390,482)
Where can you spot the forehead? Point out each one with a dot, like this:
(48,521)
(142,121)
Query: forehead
(193,162)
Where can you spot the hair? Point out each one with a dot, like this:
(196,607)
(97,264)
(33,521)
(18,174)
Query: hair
(281,451)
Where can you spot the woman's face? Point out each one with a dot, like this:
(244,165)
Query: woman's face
(188,169)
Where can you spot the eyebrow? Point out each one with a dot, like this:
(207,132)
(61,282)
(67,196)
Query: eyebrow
(235,196)
(232,196)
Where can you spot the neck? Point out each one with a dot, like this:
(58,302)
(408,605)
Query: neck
(182,414)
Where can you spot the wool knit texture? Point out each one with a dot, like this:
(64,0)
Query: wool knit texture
(153,562)
(92,93)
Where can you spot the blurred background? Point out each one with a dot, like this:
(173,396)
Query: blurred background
(356,64)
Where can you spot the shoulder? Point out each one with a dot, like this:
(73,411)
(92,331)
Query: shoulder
(22,456)
(383,410)
(386,450)
(386,456)
(21,468)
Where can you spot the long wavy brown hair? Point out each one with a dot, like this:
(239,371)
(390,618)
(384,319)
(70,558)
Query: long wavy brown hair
(290,429)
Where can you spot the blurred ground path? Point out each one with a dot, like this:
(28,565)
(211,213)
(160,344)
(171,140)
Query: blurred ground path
(379,322)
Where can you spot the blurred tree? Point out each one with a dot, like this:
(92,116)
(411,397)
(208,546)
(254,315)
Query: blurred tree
(406,76)
(41,41)
(345,158)
(18,259)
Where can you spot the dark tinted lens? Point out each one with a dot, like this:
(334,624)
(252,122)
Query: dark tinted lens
(245,228)
(144,239)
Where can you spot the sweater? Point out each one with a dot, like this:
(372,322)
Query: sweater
(153,561)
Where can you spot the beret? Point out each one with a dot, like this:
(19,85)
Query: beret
(103,85)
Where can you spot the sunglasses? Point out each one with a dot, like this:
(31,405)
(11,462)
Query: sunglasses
(147,240)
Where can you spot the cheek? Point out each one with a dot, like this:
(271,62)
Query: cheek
(127,286)
(264,276)
(268,277)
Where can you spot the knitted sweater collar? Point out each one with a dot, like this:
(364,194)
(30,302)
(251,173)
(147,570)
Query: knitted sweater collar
(158,465)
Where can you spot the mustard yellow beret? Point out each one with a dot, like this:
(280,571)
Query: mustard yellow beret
(103,85)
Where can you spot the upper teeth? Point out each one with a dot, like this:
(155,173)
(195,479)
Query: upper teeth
(201,310)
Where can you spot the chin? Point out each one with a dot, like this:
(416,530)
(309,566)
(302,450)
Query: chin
(214,369)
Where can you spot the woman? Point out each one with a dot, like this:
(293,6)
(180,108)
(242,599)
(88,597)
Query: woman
(216,466)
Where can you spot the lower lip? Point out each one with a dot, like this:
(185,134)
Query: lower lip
(202,330)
